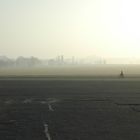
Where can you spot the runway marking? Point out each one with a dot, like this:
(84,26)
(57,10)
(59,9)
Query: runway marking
(26,101)
(9,102)
(50,107)
(52,100)
(46,131)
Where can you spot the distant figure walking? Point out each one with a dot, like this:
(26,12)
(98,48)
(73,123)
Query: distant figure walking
(121,74)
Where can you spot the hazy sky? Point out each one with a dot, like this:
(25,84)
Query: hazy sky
(46,28)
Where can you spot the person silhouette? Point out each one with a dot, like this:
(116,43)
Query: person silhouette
(122,74)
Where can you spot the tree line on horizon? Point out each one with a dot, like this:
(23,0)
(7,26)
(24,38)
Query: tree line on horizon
(36,62)
(19,61)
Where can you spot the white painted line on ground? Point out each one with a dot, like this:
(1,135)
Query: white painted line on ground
(52,100)
(9,102)
(50,107)
(46,131)
(26,101)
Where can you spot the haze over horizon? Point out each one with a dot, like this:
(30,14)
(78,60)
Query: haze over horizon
(43,28)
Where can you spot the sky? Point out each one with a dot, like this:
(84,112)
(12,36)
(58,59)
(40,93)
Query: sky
(47,28)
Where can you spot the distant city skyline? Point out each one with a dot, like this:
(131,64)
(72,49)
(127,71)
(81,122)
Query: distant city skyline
(63,60)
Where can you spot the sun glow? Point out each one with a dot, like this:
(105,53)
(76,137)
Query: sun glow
(107,28)
(122,23)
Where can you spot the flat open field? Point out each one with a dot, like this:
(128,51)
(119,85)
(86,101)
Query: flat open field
(34,108)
